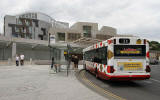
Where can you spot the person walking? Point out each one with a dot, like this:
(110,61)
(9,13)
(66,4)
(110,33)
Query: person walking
(22,59)
(17,60)
(52,65)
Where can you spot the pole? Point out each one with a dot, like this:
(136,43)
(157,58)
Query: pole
(68,66)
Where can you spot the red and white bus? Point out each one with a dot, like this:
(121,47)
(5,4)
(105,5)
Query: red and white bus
(119,58)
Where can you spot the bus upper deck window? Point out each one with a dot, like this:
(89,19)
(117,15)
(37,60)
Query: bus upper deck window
(124,41)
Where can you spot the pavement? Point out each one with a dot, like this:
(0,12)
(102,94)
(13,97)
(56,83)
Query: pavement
(34,82)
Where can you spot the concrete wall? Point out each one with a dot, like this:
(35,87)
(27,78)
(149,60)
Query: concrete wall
(35,30)
(79,26)
(34,54)
(108,31)
(5,53)
(38,55)
(8,20)
(45,25)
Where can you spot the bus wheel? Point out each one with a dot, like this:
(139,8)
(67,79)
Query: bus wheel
(85,67)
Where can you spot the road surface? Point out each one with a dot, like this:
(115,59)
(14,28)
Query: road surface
(134,90)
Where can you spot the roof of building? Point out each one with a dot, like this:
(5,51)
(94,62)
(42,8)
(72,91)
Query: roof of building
(84,42)
(43,17)
(36,15)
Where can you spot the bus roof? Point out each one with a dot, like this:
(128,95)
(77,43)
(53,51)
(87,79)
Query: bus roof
(105,42)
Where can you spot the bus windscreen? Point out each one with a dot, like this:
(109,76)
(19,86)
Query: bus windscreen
(129,50)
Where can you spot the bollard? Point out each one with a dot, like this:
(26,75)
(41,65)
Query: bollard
(9,61)
(31,61)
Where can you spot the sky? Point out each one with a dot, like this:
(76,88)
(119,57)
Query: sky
(135,17)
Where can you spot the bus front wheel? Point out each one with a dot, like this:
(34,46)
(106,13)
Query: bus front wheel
(85,67)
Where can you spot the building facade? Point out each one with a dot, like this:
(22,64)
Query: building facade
(31,25)
(83,30)
(28,34)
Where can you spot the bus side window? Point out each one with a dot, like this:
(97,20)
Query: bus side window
(102,55)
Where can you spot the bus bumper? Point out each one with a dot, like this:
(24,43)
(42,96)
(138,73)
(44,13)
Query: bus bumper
(128,77)
(124,77)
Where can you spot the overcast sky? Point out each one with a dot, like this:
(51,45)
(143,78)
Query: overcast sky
(137,17)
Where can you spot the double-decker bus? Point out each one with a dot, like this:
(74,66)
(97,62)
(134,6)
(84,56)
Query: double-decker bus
(119,58)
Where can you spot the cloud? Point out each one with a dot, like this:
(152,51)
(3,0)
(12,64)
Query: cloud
(140,17)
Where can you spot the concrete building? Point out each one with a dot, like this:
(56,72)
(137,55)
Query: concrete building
(28,34)
(31,25)
(106,32)
(154,54)
(65,35)
(35,51)
(83,30)
(87,29)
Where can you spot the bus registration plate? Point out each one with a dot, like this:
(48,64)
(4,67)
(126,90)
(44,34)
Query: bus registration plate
(128,66)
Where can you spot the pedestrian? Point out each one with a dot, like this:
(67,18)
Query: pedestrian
(22,59)
(76,60)
(72,59)
(53,65)
(17,60)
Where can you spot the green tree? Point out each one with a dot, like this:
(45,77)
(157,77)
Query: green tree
(154,45)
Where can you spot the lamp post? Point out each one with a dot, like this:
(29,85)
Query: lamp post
(49,45)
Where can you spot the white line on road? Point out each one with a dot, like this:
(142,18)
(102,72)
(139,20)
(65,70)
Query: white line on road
(155,80)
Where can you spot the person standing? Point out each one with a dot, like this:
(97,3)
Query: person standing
(22,59)
(53,66)
(76,60)
(73,59)
(17,60)
(52,63)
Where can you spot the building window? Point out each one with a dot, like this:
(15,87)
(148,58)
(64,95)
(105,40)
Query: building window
(87,31)
(16,29)
(14,34)
(44,31)
(30,29)
(40,37)
(27,22)
(61,36)
(73,36)
(24,30)
(19,22)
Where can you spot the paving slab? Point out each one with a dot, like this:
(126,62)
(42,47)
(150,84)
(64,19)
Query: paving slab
(34,82)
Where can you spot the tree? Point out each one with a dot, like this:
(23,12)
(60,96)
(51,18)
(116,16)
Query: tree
(154,45)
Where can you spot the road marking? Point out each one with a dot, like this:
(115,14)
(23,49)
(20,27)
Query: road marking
(101,89)
(155,80)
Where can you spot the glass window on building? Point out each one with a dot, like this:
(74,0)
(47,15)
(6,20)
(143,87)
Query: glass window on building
(24,30)
(73,36)
(27,22)
(87,31)
(19,22)
(78,36)
(30,29)
(14,34)
(16,29)
(61,36)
